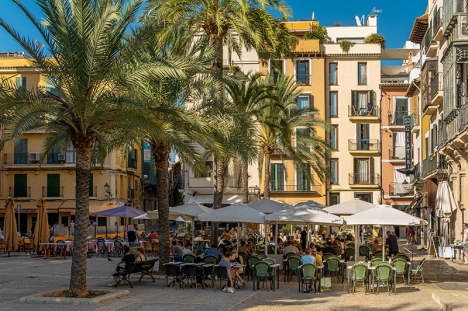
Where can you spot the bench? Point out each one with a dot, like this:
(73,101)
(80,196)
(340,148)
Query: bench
(143,267)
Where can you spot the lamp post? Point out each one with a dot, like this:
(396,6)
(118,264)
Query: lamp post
(107,190)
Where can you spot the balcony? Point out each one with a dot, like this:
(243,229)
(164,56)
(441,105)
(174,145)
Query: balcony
(304,187)
(364,146)
(429,45)
(452,9)
(19,192)
(396,154)
(397,118)
(364,179)
(415,128)
(370,113)
(437,34)
(436,92)
(32,158)
(52,191)
(398,189)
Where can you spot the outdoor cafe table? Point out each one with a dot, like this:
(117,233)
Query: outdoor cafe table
(320,268)
(273,267)
(371,269)
(49,246)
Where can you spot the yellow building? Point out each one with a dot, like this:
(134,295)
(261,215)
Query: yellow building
(25,178)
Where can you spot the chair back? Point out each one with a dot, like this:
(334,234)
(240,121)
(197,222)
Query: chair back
(350,244)
(261,256)
(363,250)
(252,261)
(269,261)
(190,271)
(221,273)
(401,255)
(359,271)
(117,243)
(271,249)
(261,268)
(420,267)
(211,259)
(377,253)
(349,252)
(243,256)
(374,262)
(327,255)
(400,264)
(383,271)
(333,264)
(294,263)
(100,243)
(189,258)
(308,271)
(172,270)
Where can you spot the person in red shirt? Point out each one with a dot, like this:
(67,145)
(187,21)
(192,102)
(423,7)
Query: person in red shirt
(153,235)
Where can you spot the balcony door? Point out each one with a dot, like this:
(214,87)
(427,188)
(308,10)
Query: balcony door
(362,136)
(277,175)
(53,185)
(364,171)
(21,186)
(401,110)
(21,152)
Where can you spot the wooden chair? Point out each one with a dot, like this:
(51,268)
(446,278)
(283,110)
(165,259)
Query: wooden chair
(148,248)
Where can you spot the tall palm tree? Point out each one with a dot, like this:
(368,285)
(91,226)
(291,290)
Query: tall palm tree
(290,131)
(255,27)
(82,58)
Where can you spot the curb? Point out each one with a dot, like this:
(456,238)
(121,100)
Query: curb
(38,299)
(441,302)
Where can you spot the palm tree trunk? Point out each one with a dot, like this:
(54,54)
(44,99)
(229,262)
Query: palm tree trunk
(218,195)
(266,180)
(77,286)
(161,155)
(245,193)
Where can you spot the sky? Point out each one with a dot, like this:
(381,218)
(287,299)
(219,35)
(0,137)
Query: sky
(394,22)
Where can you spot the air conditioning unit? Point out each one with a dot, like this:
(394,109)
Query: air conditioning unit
(61,157)
(34,156)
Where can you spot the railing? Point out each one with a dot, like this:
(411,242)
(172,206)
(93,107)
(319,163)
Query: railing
(398,117)
(436,20)
(364,179)
(96,231)
(69,157)
(52,191)
(435,85)
(463,112)
(304,187)
(429,165)
(427,40)
(364,145)
(396,153)
(414,120)
(20,192)
(303,79)
(131,193)
(451,7)
(400,189)
(356,111)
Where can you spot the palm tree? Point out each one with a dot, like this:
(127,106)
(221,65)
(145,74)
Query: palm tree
(255,28)
(279,120)
(84,41)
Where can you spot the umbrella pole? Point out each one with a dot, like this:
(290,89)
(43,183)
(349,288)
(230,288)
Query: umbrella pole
(237,238)
(356,243)
(266,241)
(193,233)
(276,236)
(307,239)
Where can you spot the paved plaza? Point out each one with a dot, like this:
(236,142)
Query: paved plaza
(20,275)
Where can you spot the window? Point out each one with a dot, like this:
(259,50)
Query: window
(21,152)
(276,68)
(303,72)
(362,136)
(355,40)
(365,196)
(333,104)
(207,170)
(302,139)
(277,175)
(363,172)
(21,186)
(53,185)
(70,155)
(302,184)
(303,103)
(362,73)
(334,198)
(132,159)
(334,137)
(21,83)
(401,111)
(362,103)
(50,87)
(52,157)
(333,73)
(334,171)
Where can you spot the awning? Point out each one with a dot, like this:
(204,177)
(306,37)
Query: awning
(397,54)
(414,85)
(208,199)
(393,70)
(419,29)
(418,197)
(51,206)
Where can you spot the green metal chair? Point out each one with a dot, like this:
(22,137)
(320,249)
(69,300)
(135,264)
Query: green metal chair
(251,261)
(349,254)
(293,266)
(364,251)
(374,262)
(401,255)
(401,266)
(333,267)
(262,273)
(308,276)
(359,275)
(189,258)
(261,256)
(419,270)
(269,261)
(326,256)
(383,275)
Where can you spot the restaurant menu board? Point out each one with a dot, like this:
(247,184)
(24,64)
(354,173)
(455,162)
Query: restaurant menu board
(436,243)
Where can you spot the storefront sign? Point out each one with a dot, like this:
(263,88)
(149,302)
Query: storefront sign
(408,148)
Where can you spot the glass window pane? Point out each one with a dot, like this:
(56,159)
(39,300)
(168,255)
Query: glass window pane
(333,104)
(333,73)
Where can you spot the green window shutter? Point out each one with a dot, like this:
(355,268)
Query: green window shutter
(53,185)
(21,152)
(21,185)
(353,103)
(372,169)
(91,185)
(372,97)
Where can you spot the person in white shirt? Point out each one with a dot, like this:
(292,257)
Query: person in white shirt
(290,249)
(465,241)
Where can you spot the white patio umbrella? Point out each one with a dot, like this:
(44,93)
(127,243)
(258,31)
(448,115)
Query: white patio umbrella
(310,203)
(268,206)
(234,213)
(383,215)
(142,216)
(349,207)
(172,216)
(444,206)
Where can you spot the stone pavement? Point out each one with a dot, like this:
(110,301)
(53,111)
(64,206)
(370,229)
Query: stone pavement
(23,276)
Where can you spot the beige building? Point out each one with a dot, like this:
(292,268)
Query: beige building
(25,178)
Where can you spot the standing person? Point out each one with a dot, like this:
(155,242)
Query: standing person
(133,237)
(465,241)
(391,243)
(409,235)
(304,238)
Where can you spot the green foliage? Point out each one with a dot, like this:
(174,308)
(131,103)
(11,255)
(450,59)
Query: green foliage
(318,32)
(286,229)
(346,45)
(375,38)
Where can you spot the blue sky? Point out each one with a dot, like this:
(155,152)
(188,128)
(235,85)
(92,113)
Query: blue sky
(395,21)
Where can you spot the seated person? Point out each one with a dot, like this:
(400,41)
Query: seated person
(318,257)
(237,272)
(308,258)
(226,236)
(226,262)
(290,249)
(187,250)
(377,245)
(177,251)
(141,254)
(234,244)
(214,251)
(330,249)
(123,263)
(153,235)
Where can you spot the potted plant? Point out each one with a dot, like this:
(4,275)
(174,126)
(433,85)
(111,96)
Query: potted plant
(318,32)
(346,45)
(375,38)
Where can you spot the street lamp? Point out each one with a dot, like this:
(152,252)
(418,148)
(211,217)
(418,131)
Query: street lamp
(107,190)
(406,185)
